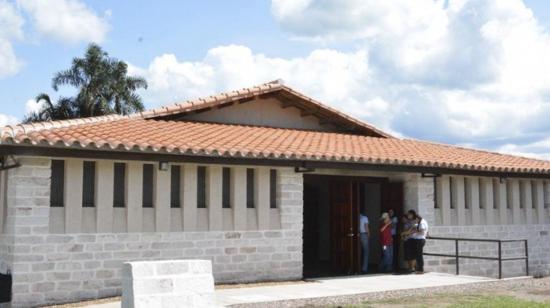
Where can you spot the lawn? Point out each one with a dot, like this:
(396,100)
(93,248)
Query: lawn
(456,301)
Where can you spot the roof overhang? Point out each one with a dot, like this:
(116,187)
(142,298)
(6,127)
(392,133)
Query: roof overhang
(62,152)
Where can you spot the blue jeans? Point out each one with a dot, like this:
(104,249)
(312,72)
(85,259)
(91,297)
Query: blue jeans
(365,245)
(386,264)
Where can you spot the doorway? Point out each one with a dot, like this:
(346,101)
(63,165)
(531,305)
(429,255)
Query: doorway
(331,244)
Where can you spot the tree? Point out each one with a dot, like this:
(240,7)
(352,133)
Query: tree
(103,87)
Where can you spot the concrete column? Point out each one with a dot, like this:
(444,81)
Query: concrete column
(238,198)
(104,196)
(261,184)
(444,199)
(502,200)
(134,196)
(3,187)
(189,197)
(487,199)
(527,200)
(538,198)
(473,199)
(73,195)
(459,200)
(162,200)
(214,182)
(26,225)
(515,198)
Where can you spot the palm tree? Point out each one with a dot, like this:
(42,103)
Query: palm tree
(64,109)
(103,87)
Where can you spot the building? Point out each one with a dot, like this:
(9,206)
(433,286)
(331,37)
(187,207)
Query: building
(264,181)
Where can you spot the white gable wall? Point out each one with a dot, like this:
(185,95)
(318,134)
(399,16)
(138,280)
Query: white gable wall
(260,112)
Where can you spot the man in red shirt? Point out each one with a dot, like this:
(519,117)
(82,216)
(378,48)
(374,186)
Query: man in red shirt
(386,240)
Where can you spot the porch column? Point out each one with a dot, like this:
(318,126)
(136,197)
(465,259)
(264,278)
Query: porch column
(515,197)
(214,198)
(262,197)
(162,200)
(458,200)
(487,199)
(238,198)
(473,199)
(539,201)
(527,200)
(189,197)
(134,214)
(73,195)
(444,199)
(105,186)
(502,201)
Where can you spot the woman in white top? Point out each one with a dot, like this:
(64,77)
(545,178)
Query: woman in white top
(419,239)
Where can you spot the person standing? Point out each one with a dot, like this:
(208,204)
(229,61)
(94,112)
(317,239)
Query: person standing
(419,237)
(386,240)
(394,224)
(364,234)
(408,242)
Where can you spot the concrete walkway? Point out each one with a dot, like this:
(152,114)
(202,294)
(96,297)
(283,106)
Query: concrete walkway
(332,287)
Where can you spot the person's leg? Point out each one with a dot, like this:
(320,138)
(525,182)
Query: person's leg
(365,248)
(390,258)
(420,255)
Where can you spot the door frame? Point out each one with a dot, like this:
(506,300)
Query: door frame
(355,253)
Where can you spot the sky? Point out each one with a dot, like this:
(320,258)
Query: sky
(474,73)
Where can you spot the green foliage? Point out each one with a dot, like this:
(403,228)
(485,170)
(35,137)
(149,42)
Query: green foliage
(103,87)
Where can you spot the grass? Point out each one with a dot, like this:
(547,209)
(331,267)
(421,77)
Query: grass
(455,301)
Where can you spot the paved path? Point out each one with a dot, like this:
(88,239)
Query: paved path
(332,287)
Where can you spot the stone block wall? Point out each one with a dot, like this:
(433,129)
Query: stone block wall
(538,240)
(57,268)
(172,283)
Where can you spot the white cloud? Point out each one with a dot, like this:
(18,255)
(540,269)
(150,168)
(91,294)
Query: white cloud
(68,21)
(32,106)
(6,119)
(467,72)
(11,24)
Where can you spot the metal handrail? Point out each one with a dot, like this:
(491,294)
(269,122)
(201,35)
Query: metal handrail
(457,256)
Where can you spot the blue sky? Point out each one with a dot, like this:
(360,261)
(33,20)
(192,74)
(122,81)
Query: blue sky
(468,72)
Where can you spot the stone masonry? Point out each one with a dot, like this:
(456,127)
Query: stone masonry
(170,283)
(419,195)
(56,268)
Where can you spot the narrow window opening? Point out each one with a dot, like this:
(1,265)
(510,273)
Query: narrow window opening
(226,188)
(273,188)
(57,185)
(175,186)
(201,187)
(88,184)
(451,195)
(148,185)
(467,193)
(119,198)
(250,188)
(496,193)
(481,193)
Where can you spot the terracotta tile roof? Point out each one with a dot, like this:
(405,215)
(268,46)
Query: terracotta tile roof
(150,131)
(207,139)
(270,88)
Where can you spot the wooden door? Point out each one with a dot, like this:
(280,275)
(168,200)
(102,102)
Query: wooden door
(342,229)
(392,198)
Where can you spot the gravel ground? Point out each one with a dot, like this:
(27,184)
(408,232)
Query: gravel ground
(528,288)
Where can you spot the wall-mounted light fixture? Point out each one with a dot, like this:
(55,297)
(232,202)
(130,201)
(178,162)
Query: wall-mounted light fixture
(164,165)
(430,175)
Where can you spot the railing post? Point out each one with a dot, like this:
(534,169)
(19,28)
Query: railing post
(499,259)
(456,257)
(526,258)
